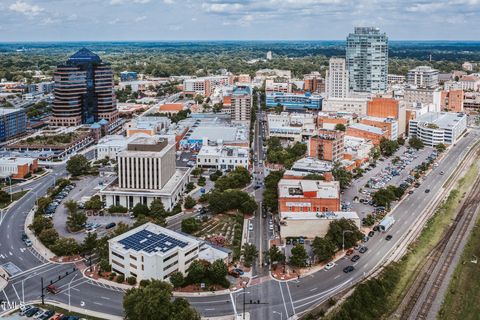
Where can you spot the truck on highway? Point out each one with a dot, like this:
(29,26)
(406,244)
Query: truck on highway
(386,224)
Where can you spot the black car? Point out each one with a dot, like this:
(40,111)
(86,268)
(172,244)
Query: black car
(375,228)
(355,258)
(427,190)
(47,315)
(348,269)
(24,237)
(371,233)
(389,237)
(31,312)
(362,249)
(110,225)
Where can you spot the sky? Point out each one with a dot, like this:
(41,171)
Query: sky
(110,20)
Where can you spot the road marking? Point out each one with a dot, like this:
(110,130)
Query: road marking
(355,263)
(337,277)
(98,303)
(283,298)
(290,295)
(209,309)
(313,289)
(106,298)
(233,304)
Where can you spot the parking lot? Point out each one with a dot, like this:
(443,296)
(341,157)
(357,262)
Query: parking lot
(358,196)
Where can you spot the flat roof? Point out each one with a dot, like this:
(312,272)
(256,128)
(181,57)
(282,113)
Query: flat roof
(367,128)
(295,188)
(152,239)
(444,120)
(322,215)
(310,164)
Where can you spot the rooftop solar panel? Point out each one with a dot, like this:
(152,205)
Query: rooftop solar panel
(149,242)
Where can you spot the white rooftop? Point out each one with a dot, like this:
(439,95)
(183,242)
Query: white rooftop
(367,128)
(295,188)
(321,215)
(443,120)
(314,165)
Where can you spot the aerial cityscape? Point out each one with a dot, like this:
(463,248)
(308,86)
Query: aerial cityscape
(231,165)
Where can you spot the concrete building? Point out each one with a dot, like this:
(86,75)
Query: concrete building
(151,252)
(438,127)
(337,79)
(357,149)
(271,86)
(367,60)
(349,105)
(294,102)
(13,123)
(147,171)
(17,167)
(128,76)
(470,83)
(292,126)
(150,125)
(309,165)
(313,224)
(205,85)
(423,77)
(223,157)
(452,100)
(419,95)
(310,196)
(467,66)
(366,132)
(109,146)
(472,101)
(388,108)
(313,83)
(395,79)
(241,104)
(327,145)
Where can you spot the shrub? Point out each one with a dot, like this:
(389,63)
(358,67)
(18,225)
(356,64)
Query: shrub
(131,281)
(120,278)
(144,283)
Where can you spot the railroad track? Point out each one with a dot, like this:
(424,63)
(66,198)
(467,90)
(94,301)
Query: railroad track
(461,223)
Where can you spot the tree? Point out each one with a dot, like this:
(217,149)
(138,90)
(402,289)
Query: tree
(197,171)
(335,233)
(94,203)
(270,194)
(250,253)
(343,176)
(388,147)
(313,176)
(276,255)
(72,206)
(189,202)
(177,279)
(78,165)
(89,243)
(196,272)
(76,221)
(48,236)
(65,247)
(198,99)
(340,127)
(157,209)
(369,220)
(190,225)
(401,141)
(141,209)
(416,143)
(324,249)
(299,256)
(238,178)
(440,147)
(189,187)
(40,223)
(42,204)
(218,271)
(202,181)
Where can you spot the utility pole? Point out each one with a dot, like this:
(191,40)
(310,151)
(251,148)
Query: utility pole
(243,303)
(43,295)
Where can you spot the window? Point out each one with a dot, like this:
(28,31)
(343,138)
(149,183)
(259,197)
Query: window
(133,258)
(118,263)
(191,251)
(117,255)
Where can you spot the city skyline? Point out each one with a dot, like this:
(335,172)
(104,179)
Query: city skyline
(119,20)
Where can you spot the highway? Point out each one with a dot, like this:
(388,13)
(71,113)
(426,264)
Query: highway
(286,298)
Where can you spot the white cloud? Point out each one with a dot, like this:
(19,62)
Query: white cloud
(115,2)
(25,8)
(141,18)
(168,1)
(426,7)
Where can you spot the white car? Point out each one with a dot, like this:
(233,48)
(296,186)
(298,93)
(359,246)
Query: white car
(250,227)
(270,227)
(329,265)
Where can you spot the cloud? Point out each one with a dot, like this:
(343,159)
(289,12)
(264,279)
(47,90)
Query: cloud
(25,8)
(168,1)
(426,7)
(141,18)
(115,2)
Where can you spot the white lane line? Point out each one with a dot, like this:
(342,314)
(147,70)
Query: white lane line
(233,304)
(209,309)
(8,301)
(290,295)
(14,289)
(98,303)
(106,298)
(313,289)
(337,276)
(283,298)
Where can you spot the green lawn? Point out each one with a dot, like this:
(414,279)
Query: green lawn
(15,196)
(463,295)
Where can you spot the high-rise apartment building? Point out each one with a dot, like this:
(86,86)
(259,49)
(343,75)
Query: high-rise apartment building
(423,77)
(337,79)
(367,60)
(241,104)
(83,91)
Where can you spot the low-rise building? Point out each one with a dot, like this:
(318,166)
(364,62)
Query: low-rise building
(294,101)
(151,252)
(309,196)
(223,157)
(357,105)
(291,125)
(435,128)
(368,132)
(313,224)
(17,167)
(309,165)
(326,145)
(171,108)
(357,149)
(389,125)
(271,86)
(423,77)
(332,119)
(150,125)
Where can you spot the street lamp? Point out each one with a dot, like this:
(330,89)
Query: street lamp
(11,195)
(281,314)
(343,238)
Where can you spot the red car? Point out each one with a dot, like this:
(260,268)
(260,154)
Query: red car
(53,289)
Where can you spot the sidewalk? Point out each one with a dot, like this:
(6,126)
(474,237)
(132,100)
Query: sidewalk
(43,251)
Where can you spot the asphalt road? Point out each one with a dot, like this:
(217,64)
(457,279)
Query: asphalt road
(275,298)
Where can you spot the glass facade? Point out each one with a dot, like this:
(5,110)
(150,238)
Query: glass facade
(367,60)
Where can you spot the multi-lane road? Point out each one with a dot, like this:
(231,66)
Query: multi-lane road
(285,298)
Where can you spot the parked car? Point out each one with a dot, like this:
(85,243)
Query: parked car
(28,242)
(240,271)
(234,273)
(363,249)
(427,190)
(355,258)
(250,227)
(46,315)
(371,234)
(348,269)
(349,252)
(33,312)
(110,225)
(25,308)
(389,237)
(329,265)
(24,236)
(58,316)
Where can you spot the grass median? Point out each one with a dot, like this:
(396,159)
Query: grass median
(15,196)
(394,281)
(463,294)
